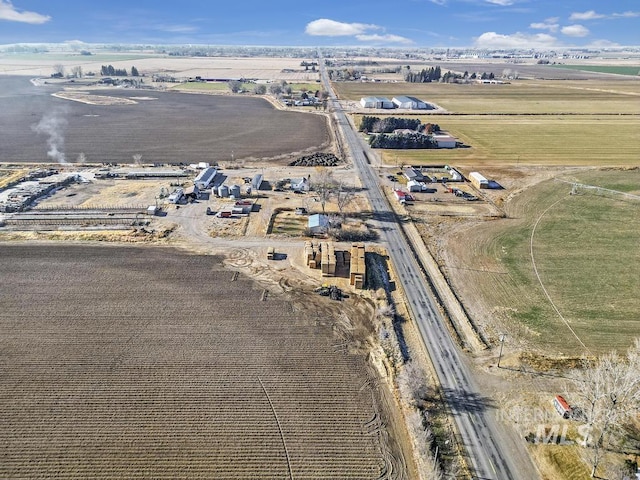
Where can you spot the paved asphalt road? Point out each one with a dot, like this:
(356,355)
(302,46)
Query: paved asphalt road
(488,456)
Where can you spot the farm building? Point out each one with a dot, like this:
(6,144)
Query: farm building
(445,141)
(257,181)
(300,184)
(412,174)
(376,102)
(411,103)
(454,175)
(318,223)
(414,186)
(205,178)
(478,181)
(153,210)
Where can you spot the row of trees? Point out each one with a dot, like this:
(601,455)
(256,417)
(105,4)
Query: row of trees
(388,124)
(370,124)
(434,74)
(402,141)
(111,71)
(425,75)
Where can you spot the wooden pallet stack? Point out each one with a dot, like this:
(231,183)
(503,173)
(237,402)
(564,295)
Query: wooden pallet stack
(357,269)
(321,255)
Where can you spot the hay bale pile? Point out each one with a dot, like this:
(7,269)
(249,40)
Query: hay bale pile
(317,160)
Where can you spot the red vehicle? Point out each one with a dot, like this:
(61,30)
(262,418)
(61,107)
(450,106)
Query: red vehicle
(562,407)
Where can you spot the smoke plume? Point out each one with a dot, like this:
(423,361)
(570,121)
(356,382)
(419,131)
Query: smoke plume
(53,125)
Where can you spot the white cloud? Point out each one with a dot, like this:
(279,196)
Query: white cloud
(361,31)
(438,2)
(516,40)
(593,15)
(503,3)
(626,15)
(550,24)
(388,38)
(177,28)
(331,28)
(588,15)
(9,12)
(575,31)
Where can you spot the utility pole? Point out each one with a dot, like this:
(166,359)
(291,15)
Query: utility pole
(502,338)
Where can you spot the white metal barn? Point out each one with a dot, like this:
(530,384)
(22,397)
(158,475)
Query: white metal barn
(376,102)
(445,141)
(478,180)
(410,103)
(204,179)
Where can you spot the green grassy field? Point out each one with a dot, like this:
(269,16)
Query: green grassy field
(521,97)
(586,248)
(617,69)
(203,87)
(599,140)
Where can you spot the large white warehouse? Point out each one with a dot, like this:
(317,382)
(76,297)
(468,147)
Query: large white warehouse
(376,102)
(411,103)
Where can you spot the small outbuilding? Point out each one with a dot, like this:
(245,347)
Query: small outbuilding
(300,184)
(414,186)
(257,181)
(478,181)
(412,174)
(445,141)
(318,223)
(376,102)
(410,103)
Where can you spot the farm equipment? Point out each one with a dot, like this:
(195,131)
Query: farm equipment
(331,291)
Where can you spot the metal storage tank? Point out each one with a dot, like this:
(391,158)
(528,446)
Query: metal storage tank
(234,191)
(223,191)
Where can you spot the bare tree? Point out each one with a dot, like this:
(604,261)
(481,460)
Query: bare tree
(610,393)
(324,185)
(235,86)
(260,89)
(76,72)
(344,197)
(58,70)
(137,159)
(275,89)
(412,384)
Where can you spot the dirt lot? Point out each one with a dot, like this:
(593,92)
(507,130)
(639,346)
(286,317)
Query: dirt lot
(163,127)
(127,362)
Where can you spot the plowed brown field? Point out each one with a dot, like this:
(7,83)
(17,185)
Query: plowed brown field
(152,363)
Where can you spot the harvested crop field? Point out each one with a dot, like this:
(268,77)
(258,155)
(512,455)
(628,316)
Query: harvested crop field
(163,127)
(532,140)
(123,362)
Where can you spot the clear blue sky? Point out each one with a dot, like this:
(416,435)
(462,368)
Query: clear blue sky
(419,23)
